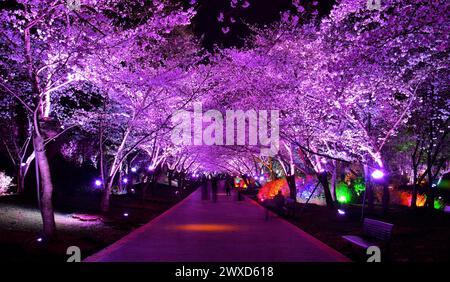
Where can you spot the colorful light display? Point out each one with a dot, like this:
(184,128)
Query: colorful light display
(270,189)
(359,186)
(343,193)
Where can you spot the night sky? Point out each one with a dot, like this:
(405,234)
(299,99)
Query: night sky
(260,13)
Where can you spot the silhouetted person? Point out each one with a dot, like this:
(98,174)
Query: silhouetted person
(278,202)
(204,188)
(214,188)
(228,186)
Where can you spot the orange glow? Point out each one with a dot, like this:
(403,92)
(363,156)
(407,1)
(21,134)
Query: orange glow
(270,189)
(206,227)
(406,197)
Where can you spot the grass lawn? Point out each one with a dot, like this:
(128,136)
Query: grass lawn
(21,223)
(420,236)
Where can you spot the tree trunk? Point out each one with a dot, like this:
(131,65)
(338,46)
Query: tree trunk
(180,183)
(386,196)
(430,191)
(47,211)
(323,178)
(170,177)
(369,191)
(144,186)
(292,187)
(334,181)
(120,184)
(414,191)
(21,179)
(152,184)
(106,195)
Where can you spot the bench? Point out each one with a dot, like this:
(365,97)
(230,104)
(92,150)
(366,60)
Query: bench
(374,233)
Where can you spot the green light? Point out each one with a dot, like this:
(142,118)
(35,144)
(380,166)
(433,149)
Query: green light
(359,186)
(439,203)
(343,193)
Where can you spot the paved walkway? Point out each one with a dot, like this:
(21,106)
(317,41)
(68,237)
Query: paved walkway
(228,230)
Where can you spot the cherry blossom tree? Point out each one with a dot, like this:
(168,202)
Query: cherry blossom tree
(58,42)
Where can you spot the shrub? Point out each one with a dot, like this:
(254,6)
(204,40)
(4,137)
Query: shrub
(439,203)
(6,183)
(359,186)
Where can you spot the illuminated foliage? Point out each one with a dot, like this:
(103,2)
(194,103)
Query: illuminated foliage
(6,183)
(343,193)
(405,199)
(270,189)
(439,203)
(359,186)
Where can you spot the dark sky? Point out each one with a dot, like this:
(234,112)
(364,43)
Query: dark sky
(260,12)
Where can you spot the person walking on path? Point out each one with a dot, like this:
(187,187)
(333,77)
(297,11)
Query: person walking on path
(279,202)
(214,188)
(204,188)
(229,185)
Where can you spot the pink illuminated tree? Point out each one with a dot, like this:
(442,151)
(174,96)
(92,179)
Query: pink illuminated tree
(58,41)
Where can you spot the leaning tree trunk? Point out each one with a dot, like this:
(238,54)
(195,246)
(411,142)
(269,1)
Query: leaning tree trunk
(323,178)
(47,211)
(334,181)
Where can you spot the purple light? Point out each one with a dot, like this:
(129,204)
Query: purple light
(261,178)
(377,174)
(133,169)
(341,212)
(125,214)
(39,239)
(98,183)
(150,168)
(125,180)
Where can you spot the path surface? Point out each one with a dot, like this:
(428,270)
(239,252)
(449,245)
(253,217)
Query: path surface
(228,230)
